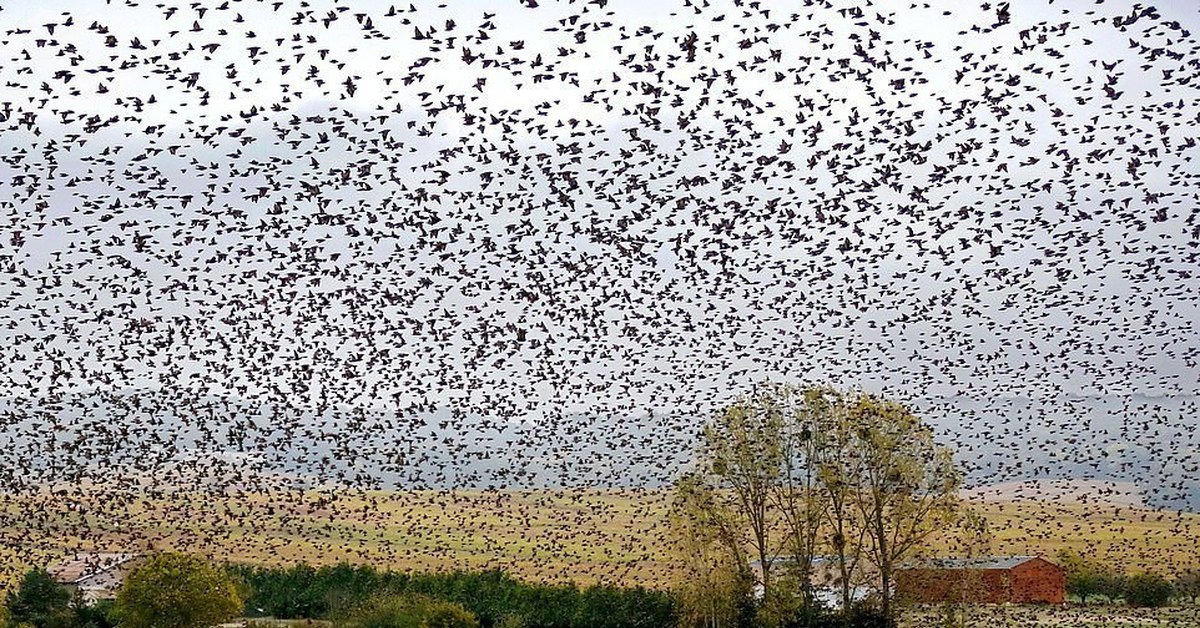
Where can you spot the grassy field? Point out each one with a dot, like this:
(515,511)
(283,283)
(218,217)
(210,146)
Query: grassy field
(976,617)
(585,536)
(1060,617)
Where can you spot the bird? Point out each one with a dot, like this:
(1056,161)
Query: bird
(434,272)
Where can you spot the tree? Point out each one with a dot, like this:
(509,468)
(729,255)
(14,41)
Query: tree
(713,586)
(177,591)
(740,466)
(836,481)
(1148,590)
(905,484)
(39,601)
(1112,584)
(1188,585)
(1084,578)
(797,496)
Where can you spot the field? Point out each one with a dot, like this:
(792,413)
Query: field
(1061,617)
(617,536)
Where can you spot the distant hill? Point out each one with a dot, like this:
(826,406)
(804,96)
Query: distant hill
(1083,492)
(1111,447)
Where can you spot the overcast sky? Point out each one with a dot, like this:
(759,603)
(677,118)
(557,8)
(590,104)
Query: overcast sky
(555,210)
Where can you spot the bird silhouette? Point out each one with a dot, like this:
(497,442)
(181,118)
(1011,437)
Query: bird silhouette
(367,282)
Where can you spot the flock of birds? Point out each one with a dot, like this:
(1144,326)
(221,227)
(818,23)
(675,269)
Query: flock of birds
(278,246)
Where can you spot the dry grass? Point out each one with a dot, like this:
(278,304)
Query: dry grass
(585,536)
(1059,617)
(556,536)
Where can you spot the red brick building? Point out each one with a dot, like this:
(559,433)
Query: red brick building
(1012,579)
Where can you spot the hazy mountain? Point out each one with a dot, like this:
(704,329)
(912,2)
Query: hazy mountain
(163,438)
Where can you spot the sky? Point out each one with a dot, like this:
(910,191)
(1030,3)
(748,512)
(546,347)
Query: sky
(521,215)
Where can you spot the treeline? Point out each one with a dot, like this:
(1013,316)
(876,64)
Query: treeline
(306,592)
(1091,580)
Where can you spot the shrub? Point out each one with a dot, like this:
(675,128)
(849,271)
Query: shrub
(1188,585)
(410,611)
(1088,579)
(857,617)
(96,615)
(510,621)
(1148,590)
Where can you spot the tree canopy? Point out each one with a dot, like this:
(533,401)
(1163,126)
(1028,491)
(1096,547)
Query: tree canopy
(818,472)
(177,591)
(39,601)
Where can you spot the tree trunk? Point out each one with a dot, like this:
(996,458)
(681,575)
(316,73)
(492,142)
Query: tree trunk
(885,593)
(766,572)
(885,576)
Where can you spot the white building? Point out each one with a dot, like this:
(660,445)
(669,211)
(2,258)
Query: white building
(98,575)
(826,579)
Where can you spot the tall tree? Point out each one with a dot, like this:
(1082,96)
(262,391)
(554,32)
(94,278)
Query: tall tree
(742,461)
(836,472)
(906,485)
(809,470)
(713,586)
(798,495)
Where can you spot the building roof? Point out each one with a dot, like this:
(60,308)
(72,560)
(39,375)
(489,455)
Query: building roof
(788,559)
(989,562)
(83,566)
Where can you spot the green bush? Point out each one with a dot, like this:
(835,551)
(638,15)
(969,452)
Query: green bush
(1188,585)
(99,614)
(510,621)
(410,611)
(1149,590)
(177,591)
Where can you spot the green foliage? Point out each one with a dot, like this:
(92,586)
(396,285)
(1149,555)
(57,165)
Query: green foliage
(510,621)
(39,601)
(1148,590)
(409,611)
(99,614)
(304,592)
(1188,585)
(177,591)
(1112,584)
(1088,579)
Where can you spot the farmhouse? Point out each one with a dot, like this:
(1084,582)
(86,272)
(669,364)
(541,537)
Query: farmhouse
(97,575)
(1008,579)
